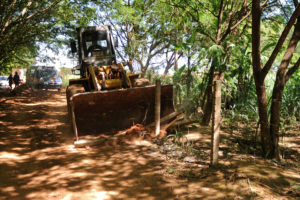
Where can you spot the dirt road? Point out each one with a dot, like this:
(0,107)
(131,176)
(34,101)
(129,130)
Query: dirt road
(38,161)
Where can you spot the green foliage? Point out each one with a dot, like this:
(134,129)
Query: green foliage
(25,26)
(291,97)
(178,137)
(295,185)
(66,75)
(180,77)
(217,52)
(22,58)
(147,29)
(138,29)
(21,26)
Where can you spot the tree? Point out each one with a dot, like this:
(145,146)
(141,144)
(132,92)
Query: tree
(135,25)
(25,25)
(269,131)
(215,25)
(22,23)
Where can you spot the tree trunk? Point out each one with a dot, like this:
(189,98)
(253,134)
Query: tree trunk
(269,135)
(241,84)
(278,90)
(263,116)
(259,79)
(175,60)
(203,95)
(157,107)
(176,90)
(130,66)
(208,93)
(189,77)
(143,71)
(275,118)
(216,123)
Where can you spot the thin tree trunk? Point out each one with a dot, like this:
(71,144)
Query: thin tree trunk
(157,107)
(176,90)
(216,123)
(206,80)
(130,66)
(143,70)
(241,84)
(208,93)
(275,119)
(188,83)
(175,60)
(278,91)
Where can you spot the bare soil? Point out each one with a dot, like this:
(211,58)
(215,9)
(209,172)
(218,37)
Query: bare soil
(39,161)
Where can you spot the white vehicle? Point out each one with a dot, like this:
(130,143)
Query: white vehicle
(4,81)
(43,77)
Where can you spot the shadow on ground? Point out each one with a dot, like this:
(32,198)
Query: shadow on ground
(38,161)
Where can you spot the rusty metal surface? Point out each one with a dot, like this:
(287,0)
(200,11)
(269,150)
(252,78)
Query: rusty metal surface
(110,111)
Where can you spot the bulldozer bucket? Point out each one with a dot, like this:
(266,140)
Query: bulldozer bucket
(109,111)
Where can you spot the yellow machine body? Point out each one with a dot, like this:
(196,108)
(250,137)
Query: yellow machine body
(105,98)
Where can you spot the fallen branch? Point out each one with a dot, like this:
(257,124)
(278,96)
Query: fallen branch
(135,132)
(165,118)
(184,122)
(164,128)
(90,142)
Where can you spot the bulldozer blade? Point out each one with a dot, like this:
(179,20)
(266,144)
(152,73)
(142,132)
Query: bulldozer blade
(113,110)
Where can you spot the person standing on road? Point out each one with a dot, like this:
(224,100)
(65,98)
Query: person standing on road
(10,81)
(16,79)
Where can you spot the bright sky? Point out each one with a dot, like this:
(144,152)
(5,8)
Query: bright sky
(58,60)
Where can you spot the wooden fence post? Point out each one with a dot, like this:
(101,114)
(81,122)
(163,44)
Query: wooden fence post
(216,122)
(157,107)
(74,120)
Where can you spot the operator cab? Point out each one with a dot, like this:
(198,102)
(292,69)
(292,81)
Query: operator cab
(95,44)
(96,47)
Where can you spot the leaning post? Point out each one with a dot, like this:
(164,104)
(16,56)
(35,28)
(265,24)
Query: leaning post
(216,123)
(74,120)
(157,106)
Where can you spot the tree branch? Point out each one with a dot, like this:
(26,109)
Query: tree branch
(16,21)
(296,3)
(292,70)
(240,21)
(231,18)
(281,40)
(220,16)
(201,30)
(205,8)
(10,15)
(45,9)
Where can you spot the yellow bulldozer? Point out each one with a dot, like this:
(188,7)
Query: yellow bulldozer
(106,98)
